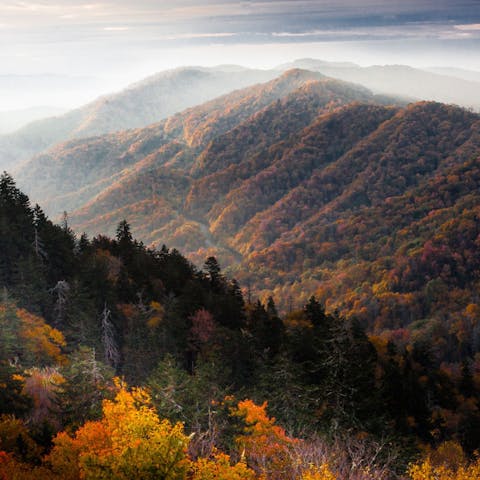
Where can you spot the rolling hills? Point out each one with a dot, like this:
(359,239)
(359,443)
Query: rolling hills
(142,103)
(301,185)
(442,84)
(166,93)
(75,171)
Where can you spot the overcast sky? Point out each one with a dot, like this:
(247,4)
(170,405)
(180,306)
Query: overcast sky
(120,41)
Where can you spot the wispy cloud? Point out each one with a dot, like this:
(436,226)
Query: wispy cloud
(116,29)
(469,27)
(410,30)
(197,36)
(107,34)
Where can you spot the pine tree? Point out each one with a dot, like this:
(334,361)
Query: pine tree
(214,275)
(86,383)
(314,312)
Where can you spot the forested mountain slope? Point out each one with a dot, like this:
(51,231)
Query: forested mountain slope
(390,230)
(141,104)
(75,168)
(203,359)
(166,93)
(301,185)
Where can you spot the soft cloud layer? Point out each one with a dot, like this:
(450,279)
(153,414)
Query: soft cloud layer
(123,40)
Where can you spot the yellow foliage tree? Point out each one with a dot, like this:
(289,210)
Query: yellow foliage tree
(34,341)
(42,341)
(322,472)
(219,468)
(130,441)
(447,462)
(156,314)
(426,471)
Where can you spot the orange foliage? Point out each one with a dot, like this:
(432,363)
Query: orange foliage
(37,341)
(41,340)
(157,313)
(265,445)
(11,469)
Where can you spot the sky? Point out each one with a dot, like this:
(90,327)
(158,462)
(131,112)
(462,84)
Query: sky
(106,44)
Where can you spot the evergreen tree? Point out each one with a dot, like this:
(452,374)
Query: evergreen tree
(125,242)
(315,313)
(86,383)
(213,270)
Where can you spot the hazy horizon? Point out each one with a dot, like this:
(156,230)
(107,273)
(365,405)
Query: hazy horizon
(112,44)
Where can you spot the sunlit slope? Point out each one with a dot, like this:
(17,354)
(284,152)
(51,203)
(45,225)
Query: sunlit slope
(139,105)
(301,185)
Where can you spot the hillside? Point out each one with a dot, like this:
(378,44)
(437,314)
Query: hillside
(301,185)
(161,95)
(140,104)
(440,85)
(75,171)
(166,93)
(208,367)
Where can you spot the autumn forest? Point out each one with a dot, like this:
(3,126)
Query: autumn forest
(121,361)
(281,282)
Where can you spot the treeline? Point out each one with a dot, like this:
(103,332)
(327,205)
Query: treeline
(75,313)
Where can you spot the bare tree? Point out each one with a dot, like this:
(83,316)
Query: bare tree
(61,290)
(110,347)
(351,458)
(38,246)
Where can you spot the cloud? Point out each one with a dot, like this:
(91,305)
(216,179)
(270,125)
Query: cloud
(409,30)
(198,36)
(106,34)
(116,29)
(468,27)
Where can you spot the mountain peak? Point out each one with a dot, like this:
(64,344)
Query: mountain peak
(300,74)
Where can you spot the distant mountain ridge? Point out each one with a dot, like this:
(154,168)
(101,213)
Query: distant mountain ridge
(161,95)
(441,85)
(139,105)
(471,75)
(80,165)
(12,120)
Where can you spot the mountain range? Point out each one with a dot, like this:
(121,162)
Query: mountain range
(188,145)
(301,185)
(444,85)
(333,274)
(166,93)
(140,104)
(12,120)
